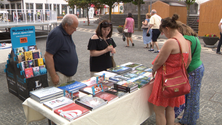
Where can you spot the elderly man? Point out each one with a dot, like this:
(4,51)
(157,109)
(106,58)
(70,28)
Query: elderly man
(60,57)
(154,24)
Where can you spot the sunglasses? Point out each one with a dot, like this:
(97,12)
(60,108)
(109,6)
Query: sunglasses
(106,24)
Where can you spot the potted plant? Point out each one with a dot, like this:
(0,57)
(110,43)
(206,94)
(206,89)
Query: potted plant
(210,39)
(120,28)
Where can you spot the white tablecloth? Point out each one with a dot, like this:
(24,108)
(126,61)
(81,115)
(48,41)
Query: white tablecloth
(131,109)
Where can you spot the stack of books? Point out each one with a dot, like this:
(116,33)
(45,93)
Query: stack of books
(91,102)
(71,111)
(119,69)
(108,83)
(56,103)
(71,90)
(141,68)
(46,94)
(141,80)
(30,60)
(126,86)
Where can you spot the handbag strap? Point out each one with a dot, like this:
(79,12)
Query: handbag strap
(182,64)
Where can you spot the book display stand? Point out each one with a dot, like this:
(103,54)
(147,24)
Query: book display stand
(25,71)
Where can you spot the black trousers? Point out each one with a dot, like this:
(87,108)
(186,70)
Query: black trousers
(219,44)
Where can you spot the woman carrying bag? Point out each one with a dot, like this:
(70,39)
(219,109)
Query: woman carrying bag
(147,37)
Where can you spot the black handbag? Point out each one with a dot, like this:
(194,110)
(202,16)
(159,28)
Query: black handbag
(148,34)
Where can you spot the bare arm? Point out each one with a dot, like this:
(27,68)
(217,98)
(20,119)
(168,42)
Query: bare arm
(125,24)
(49,61)
(145,22)
(150,25)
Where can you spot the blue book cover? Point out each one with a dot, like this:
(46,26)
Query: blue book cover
(73,86)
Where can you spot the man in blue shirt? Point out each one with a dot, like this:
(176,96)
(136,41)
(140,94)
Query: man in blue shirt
(60,57)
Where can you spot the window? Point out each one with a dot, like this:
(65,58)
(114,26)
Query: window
(38,6)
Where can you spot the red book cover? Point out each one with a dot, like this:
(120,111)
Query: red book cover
(71,111)
(29,72)
(106,96)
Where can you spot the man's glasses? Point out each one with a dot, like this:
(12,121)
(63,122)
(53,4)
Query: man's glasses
(106,24)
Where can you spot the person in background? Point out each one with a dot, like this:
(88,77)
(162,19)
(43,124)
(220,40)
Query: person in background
(220,41)
(147,39)
(170,56)
(129,24)
(60,57)
(195,73)
(101,47)
(154,24)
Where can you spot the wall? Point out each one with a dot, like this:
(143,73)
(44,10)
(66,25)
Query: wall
(210,16)
(181,11)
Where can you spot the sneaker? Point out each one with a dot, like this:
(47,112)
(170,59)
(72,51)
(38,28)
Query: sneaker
(219,53)
(156,51)
(151,50)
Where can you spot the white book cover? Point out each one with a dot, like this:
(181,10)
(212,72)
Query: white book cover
(55,103)
(47,91)
(107,74)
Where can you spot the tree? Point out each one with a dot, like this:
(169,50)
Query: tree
(81,4)
(188,3)
(72,4)
(138,3)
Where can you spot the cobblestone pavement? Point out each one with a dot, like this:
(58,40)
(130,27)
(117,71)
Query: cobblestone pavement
(211,95)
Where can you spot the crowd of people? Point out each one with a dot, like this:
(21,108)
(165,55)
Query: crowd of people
(62,61)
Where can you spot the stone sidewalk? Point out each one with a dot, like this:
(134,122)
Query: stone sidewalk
(211,95)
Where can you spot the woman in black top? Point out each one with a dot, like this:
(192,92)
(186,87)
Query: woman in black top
(101,47)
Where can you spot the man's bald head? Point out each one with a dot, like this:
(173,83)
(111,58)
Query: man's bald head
(153,11)
(70,23)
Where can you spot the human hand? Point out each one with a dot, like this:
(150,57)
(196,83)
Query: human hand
(109,48)
(55,79)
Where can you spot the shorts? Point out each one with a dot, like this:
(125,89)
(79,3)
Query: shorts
(62,79)
(128,34)
(155,34)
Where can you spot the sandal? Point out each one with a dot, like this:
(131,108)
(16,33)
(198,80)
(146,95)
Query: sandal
(126,46)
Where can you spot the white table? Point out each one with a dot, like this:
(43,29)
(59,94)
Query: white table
(131,109)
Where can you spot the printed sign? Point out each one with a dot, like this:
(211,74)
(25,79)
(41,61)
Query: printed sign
(22,36)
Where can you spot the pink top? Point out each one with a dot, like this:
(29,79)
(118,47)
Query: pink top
(129,24)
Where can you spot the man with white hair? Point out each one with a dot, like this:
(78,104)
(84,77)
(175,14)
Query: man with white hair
(154,24)
(60,57)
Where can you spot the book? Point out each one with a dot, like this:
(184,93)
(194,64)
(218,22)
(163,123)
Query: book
(125,86)
(131,65)
(93,89)
(30,63)
(47,92)
(141,68)
(56,103)
(28,73)
(35,55)
(106,96)
(31,48)
(21,58)
(89,82)
(100,78)
(107,74)
(116,92)
(72,90)
(148,70)
(91,102)
(42,69)
(40,61)
(141,81)
(35,61)
(119,69)
(19,50)
(119,78)
(71,111)
(36,71)
(28,55)
(108,83)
